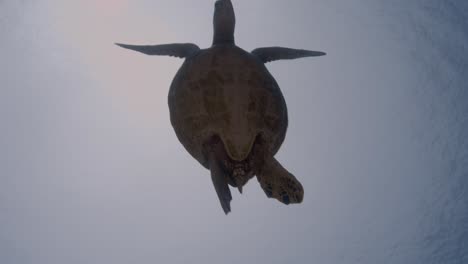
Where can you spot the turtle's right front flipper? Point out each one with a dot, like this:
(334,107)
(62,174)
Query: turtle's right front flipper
(219,178)
(180,50)
(269,54)
(278,183)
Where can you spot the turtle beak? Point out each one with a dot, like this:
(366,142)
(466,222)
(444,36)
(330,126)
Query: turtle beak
(224,5)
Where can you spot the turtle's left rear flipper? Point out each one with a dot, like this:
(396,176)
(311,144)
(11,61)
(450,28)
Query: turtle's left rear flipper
(278,183)
(218,176)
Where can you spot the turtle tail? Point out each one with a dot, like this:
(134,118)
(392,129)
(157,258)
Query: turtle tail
(278,183)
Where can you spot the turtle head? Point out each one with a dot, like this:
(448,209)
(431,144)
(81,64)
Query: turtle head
(224,22)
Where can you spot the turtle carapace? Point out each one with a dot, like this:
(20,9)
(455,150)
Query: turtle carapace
(228,111)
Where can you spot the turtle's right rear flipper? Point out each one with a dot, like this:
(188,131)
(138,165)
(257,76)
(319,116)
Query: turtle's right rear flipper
(218,176)
(278,183)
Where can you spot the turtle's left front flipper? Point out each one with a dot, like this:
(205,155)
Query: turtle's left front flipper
(279,53)
(278,183)
(180,50)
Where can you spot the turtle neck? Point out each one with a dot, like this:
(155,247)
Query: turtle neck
(224,23)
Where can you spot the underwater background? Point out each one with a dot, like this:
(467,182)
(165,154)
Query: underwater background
(92,172)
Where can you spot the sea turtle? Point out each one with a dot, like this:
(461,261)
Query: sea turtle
(228,111)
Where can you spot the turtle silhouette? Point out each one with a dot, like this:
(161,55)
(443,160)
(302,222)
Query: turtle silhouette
(228,111)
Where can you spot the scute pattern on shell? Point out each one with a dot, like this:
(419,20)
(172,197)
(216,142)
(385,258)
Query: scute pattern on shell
(227,92)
